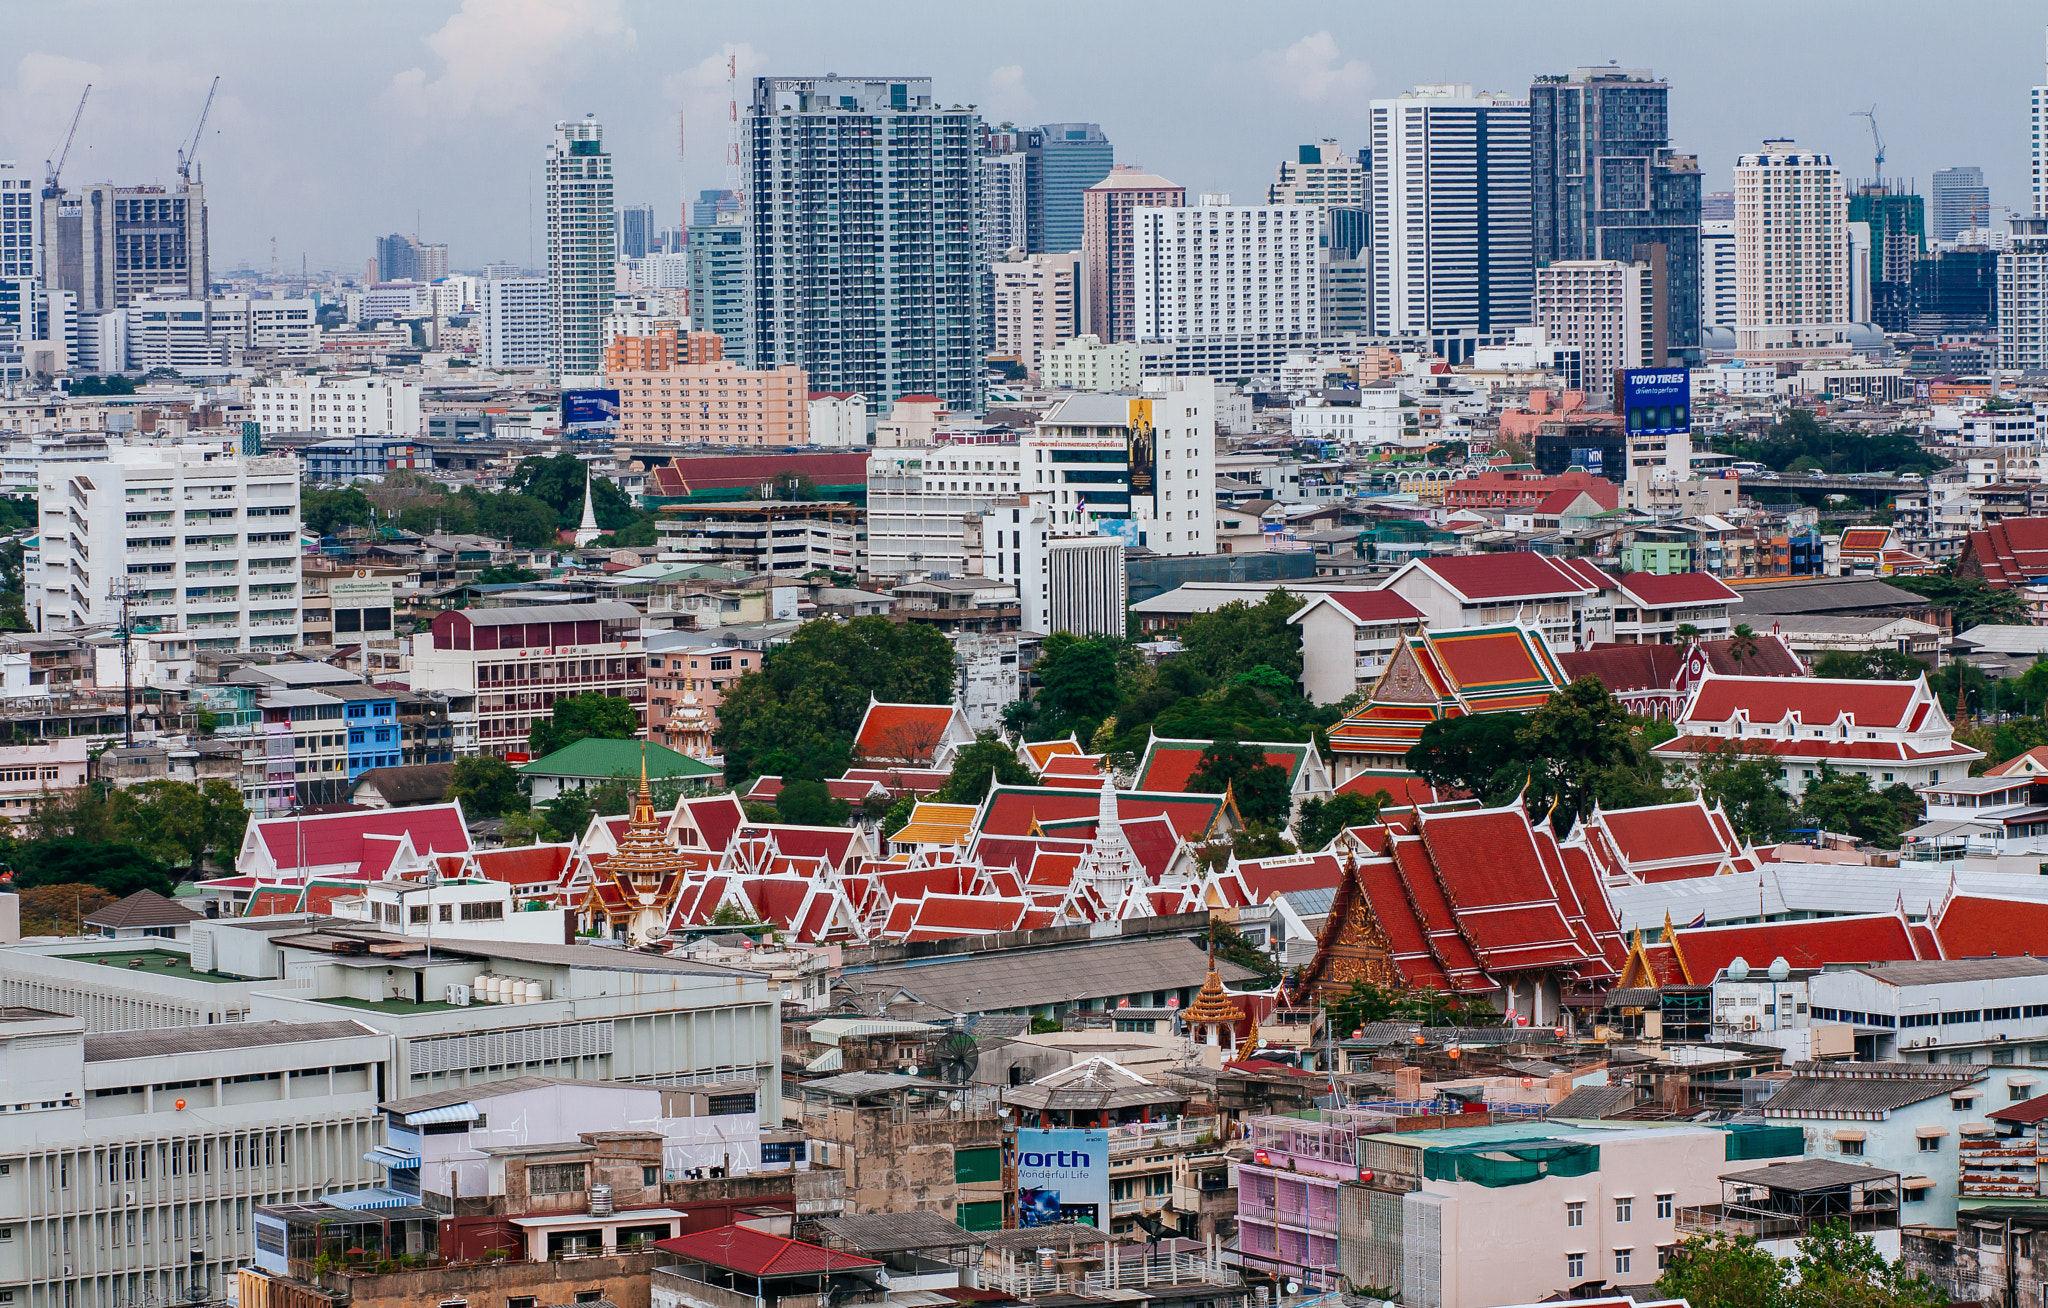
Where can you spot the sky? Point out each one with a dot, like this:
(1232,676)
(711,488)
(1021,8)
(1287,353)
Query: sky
(339,122)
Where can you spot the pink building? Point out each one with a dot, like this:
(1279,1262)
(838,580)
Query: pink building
(1287,1193)
(1109,225)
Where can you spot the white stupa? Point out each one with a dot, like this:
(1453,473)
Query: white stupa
(588,530)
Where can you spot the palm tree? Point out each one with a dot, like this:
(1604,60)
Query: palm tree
(1744,644)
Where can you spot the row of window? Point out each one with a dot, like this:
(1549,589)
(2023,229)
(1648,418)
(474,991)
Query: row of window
(1624,1209)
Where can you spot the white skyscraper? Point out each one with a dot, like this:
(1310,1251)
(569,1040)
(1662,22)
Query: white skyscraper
(1003,211)
(1605,308)
(2040,161)
(1228,271)
(1791,250)
(582,249)
(1717,273)
(2023,298)
(21,225)
(1452,238)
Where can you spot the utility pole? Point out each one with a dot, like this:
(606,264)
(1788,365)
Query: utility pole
(119,589)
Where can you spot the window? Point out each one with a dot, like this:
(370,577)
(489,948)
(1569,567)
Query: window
(1663,1257)
(1575,1214)
(1664,1205)
(1930,1144)
(589,1296)
(1963,1105)
(1575,1266)
(555,1178)
(2017,1092)
(1852,1148)
(1623,1259)
(521,1301)
(650,1176)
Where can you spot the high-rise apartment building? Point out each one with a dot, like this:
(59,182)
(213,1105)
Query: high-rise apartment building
(1791,250)
(1067,159)
(1452,261)
(21,223)
(2023,298)
(920,498)
(1004,211)
(1141,466)
(109,244)
(581,249)
(203,542)
(1898,229)
(1607,184)
(402,258)
(1109,245)
(718,281)
(1717,273)
(636,230)
(1960,201)
(1037,306)
(1606,309)
(1206,271)
(513,314)
(2039,106)
(862,261)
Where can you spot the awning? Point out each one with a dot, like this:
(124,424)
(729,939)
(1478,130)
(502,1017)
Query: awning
(832,1060)
(1916,1183)
(1968,1092)
(1848,1135)
(1931,1132)
(446,1113)
(395,1159)
(2023,1079)
(375,1197)
(1974,1128)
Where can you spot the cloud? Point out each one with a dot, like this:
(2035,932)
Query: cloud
(140,112)
(1004,96)
(502,56)
(1313,69)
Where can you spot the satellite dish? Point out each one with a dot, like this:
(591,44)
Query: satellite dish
(955,1057)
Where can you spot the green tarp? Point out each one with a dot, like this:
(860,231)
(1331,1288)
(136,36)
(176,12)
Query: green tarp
(1497,1165)
(1746,1142)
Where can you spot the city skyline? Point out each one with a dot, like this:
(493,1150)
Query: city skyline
(447,112)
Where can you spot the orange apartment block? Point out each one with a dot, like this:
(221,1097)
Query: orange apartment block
(710,402)
(663,349)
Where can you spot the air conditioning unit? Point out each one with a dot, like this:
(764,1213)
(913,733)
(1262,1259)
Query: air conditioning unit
(458,995)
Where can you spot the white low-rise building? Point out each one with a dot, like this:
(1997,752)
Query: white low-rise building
(1379,415)
(339,406)
(838,419)
(920,499)
(1086,364)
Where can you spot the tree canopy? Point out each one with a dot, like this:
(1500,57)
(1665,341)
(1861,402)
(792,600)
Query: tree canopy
(151,828)
(487,787)
(326,511)
(811,804)
(1846,802)
(1975,603)
(1258,787)
(1833,1268)
(1869,665)
(1323,820)
(1233,640)
(796,716)
(581,717)
(1800,442)
(986,762)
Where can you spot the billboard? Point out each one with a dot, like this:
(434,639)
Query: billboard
(590,408)
(1062,1176)
(1656,401)
(1144,451)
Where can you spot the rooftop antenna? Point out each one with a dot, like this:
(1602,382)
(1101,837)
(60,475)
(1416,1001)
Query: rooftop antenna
(51,190)
(1876,138)
(187,153)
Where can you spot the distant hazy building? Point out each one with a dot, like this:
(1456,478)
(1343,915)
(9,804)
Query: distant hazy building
(1066,159)
(109,244)
(1791,250)
(402,258)
(636,231)
(581,249)
(1717,206)
(1451,217)
(704,210)
(1108,242)
(880,291)
(718,281)
(1004,213)
(1717,273)
(21,221)
(1960,201)
(1608,185)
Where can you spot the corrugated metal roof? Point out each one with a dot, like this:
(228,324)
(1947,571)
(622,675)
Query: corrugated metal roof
(162,1041)
(1820,1096)
(445,1113)
(832,1030)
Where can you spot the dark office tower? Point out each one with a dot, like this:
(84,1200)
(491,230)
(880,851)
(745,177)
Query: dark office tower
(1608,185)
(1065,160)
(1955,292)
(704,210)
(395,259)
(862,258)
(1961,201)
(636,230)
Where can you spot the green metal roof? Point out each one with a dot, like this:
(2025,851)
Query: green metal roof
(592,757)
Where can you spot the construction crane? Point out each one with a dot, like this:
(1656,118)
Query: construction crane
(187,153)
(51,171)
(1876,138)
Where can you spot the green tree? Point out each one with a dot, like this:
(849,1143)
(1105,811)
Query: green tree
(1723,1273)
(1238,637)
(1869,665)
(795,717)
(508,575)
(521,519)
(581,717)
(986,762)
(1484,755)
(1745,785)
(1323,820)
(326,511)
(1078,682)
(568,815)
(1962,689)
(523,829)
(120,869)
(226,820)
(486,786)
(1579,733)
(898,815)
(811,804)
(1259,788)
(1844,802)
(1973,602)
(558,483)
(108,385)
